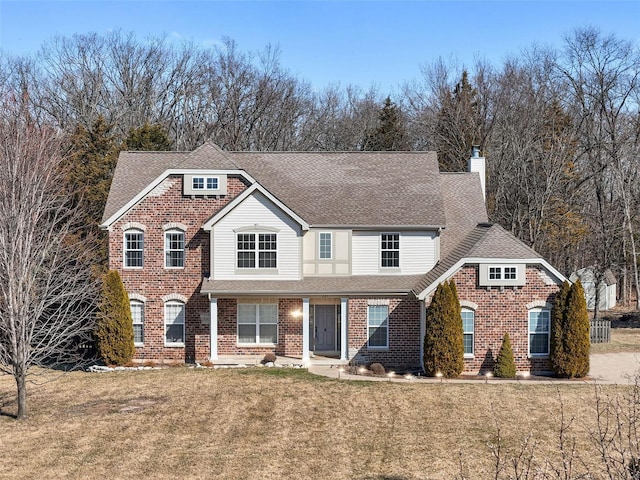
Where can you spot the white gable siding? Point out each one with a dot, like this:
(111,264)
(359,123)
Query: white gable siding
(417,253)
(256,210)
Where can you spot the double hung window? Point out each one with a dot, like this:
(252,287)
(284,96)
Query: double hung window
(378,326)
(258,323)
(390,250)
(133,248)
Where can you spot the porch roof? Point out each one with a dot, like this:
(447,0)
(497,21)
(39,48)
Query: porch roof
(385,285)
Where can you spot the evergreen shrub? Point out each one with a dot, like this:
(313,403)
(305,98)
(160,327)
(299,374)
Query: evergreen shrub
(505,366)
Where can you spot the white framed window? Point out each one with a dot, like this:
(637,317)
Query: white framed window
(378,326)
(137,315)
(258,323)
(174,323)
(174,249)
(539,332)
(510,273)
(390,250)
(324,246)
(133,248)
(205,183)
(468,328)
(265,249)
(503,273)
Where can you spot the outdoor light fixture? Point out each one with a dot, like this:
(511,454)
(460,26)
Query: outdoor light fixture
(390,375)
(488,375)
(340,370)
(296,314)
(409,377)
(362,370)
(439,375)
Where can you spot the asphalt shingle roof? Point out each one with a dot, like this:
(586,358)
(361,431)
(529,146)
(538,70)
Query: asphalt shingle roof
(486,240)
(324,188)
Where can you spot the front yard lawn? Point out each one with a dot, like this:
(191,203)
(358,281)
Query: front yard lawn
(255,424)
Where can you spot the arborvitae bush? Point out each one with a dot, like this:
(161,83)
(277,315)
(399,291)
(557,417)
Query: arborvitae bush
(557,353)
(443,340)
(570,342)
(577,341)
(114,331)
(505,366)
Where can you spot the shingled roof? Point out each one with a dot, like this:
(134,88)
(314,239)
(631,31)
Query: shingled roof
(324,188)
(486,240)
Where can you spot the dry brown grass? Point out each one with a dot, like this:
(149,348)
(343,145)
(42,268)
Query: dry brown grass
(622,340)
(272,424)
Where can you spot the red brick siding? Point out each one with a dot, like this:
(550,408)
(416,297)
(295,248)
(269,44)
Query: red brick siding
(501,311)
(153,281)
(404,333)
(289,330)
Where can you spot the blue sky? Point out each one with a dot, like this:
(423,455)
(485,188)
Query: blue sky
(380,43)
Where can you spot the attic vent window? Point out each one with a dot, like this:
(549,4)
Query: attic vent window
(205,183)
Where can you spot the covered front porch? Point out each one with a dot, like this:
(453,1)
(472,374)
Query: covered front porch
(309,330)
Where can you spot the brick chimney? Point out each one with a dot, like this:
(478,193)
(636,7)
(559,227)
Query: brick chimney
(478,164)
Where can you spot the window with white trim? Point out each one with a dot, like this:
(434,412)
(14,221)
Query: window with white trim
(265,250)
(133,248)
(390,250)
(174,323)
(378,326)
(205,183)
(137,315)
(468,327)
(258,323)
(174,249)
(539,331)
(324,245)
(503,273)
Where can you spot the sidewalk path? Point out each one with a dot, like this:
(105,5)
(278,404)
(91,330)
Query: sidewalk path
(606,368)
(618,368)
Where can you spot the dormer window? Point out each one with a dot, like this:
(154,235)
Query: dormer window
(502,275)
(205,183)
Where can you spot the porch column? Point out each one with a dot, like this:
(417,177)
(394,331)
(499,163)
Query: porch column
(213,312)
(423,330)
(305,330)
(344,341)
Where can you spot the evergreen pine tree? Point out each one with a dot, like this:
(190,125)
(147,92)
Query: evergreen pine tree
(390,134)
(92,158)
(505,366)
(443,341)
(148,137)
(114,330)
(458,126)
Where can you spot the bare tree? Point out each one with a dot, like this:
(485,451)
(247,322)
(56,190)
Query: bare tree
(46,286)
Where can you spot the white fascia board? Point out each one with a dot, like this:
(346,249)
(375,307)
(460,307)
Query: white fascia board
(172,171)
(495,261)
(381,227)
(208,225)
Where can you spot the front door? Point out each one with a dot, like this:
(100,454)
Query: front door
(325,328)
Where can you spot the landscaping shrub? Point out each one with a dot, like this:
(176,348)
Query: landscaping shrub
(505,366)
(443,340)
(377,369)
(114,331)
(269,358)
(570,339)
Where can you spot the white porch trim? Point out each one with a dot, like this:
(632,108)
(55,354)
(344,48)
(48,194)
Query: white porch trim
(213,317)
(344,341)
(423,330)
(305,331)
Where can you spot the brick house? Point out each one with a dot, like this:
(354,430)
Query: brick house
(317,254)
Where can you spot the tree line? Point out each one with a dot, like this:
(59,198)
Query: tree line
(560,127)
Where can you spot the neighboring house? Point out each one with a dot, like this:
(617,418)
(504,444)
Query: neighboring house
(317,253)
(607,288)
